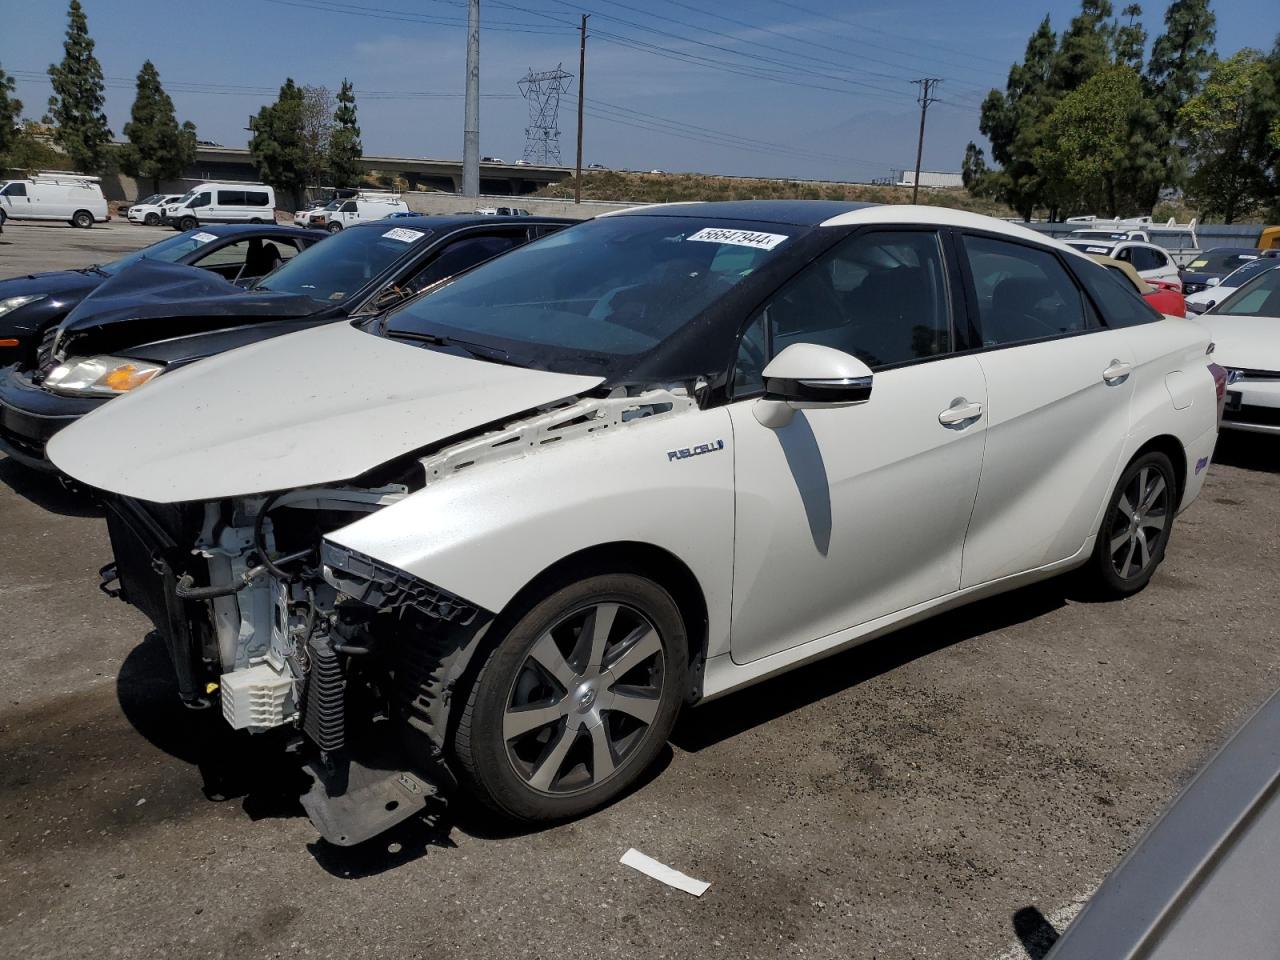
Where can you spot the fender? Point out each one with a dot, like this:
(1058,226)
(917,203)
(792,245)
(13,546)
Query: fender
(485,530)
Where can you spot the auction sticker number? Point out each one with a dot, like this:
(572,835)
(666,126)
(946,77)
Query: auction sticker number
(739,238)
(404,235)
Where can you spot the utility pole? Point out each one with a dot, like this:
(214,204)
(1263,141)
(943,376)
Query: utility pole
(582,84)
(471,121)
(926,84)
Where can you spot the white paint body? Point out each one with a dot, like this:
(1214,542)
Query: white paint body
(138,212)
(1251,346)
(53,198)
(830,526)
(359,211)
(1151,261)
(226,203)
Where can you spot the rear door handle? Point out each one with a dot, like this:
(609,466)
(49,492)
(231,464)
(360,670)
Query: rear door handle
(960,411)
(1118,372)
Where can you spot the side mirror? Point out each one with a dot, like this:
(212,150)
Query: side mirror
(1213,281)
(806,374)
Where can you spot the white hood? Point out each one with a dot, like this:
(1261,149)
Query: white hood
(1252,343)
(319,406)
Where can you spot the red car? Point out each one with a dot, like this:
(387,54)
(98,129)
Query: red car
(1164,295)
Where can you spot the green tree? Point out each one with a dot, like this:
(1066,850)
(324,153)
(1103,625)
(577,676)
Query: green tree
(76,105)
(1093,151)
(1086,45)
(317,131)
(1129,40)
(973,169)
(1180,60)
(158,148)
(1228,131)
(276,144)
(1013,121)
(10,118)
(345,148)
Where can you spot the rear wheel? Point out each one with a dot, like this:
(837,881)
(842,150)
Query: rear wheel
(82,219)
(151,219)
(255,219)
(187,223)
(1135,528)
(576,701)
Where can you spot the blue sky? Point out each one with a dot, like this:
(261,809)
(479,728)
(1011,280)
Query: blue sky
(795,88)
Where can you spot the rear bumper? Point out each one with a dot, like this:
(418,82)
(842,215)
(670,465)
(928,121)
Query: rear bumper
(30,416)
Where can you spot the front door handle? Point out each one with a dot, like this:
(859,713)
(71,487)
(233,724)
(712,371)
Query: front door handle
(960,412)
(1117,373)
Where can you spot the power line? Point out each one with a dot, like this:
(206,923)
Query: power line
(405,16)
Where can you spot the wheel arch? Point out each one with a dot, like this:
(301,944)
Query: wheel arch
(1172,448)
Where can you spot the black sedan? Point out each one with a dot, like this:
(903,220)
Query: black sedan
(241,253)
(1215,263)
(161,316)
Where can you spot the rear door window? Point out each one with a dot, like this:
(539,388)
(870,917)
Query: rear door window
(1023,293)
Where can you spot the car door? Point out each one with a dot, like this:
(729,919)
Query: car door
(17,203)
(1058,392)
(848,513)
(348,214)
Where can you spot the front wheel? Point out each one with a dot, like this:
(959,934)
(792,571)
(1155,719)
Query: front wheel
(151,219)
(334,227)
(576,701)
(82,219)
(187,223)
(1135,528)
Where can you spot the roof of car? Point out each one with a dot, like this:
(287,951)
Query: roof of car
(450,221)
(835,213)
(804,213)
(231,229)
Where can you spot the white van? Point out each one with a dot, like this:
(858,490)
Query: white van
(222,203)
(343,213)
(71,197)
(150,210)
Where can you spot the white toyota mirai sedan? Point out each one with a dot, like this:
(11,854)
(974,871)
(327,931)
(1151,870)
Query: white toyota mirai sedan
(495,538)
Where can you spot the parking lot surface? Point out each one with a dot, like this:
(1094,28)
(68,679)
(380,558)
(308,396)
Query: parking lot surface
(950,790)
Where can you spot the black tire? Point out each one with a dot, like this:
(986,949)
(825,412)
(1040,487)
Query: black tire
(334,227)
(151,219)
(501,771)
(1131,543)
(255,219)
(82,219)
(187,223)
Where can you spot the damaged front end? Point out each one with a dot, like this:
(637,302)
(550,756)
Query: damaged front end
(265,611)
(260,613)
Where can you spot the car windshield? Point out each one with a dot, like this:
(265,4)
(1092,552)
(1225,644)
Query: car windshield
(1221,261)
(345,263)
(1097,235)
(170,250)
(1260,297)
(590,297)
(1242,275)
(189,195)
(1091,246)
(150,200)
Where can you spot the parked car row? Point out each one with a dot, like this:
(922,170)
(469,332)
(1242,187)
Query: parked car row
(490,528)
(83,337)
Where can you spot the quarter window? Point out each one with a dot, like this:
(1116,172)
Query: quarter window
(1023,293)
(880,296)
(1115,296)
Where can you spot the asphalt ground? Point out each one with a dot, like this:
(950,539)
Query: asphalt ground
(952,790)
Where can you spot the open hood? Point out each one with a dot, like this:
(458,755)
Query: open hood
(319,406)
(152,299)
(1252,343)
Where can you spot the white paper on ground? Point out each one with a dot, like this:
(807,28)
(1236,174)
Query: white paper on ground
(660,871)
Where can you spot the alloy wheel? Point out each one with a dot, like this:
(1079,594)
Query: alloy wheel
(584,698)
(1140,519)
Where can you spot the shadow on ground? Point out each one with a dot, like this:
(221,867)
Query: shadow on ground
(1249,451)
(759,704)
(46,490)
(1034,932)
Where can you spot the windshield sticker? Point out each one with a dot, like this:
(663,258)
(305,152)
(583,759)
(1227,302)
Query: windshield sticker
(404,235)
(203,237)
(739,238)
(1102,250)
(1197,263)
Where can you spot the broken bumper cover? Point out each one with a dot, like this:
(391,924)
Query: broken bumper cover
(383,586)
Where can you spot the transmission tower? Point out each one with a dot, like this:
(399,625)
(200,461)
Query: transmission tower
(542,90)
